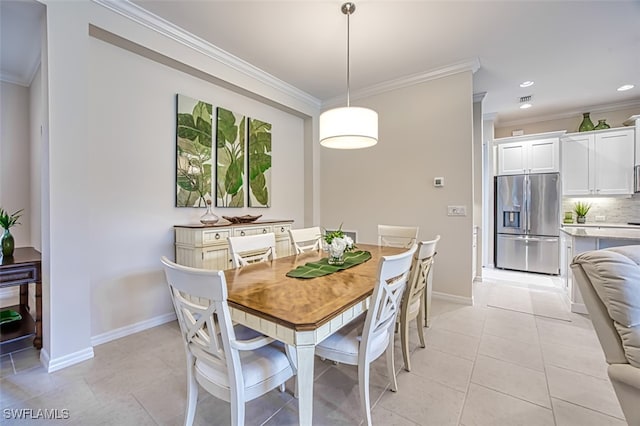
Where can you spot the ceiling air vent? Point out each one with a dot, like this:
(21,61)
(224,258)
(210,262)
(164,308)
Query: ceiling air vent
(525,98)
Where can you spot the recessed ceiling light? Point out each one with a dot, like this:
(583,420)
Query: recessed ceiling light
(625,87)
(525,106)
(526,83)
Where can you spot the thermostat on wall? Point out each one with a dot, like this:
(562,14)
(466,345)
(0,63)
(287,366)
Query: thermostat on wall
(438,181)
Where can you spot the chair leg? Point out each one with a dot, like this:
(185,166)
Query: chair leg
(404,340)
(363,382)
(192,397)
(420,327)
(237,410)
(391,367)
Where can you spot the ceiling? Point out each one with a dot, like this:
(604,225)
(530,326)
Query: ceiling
(577,52)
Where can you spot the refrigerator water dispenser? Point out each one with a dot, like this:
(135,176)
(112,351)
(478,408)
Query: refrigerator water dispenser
(511,219)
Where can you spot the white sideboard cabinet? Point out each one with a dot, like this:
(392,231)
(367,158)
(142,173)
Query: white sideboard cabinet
(599,162)
(206,247)
(538,153)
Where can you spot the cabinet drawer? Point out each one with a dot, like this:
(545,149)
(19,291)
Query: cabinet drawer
(253,230)
(215,237)
(281,230)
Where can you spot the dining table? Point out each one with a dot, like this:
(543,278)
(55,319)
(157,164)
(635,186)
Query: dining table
(302,312)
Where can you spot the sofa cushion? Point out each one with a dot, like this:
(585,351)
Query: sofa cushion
(615,276)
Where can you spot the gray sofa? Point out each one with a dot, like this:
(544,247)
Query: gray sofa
(609,281)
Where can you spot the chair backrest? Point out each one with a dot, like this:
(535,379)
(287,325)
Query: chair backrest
(252,249)
(397,236)
(205,325)
(306,239)
(420,272)
(609,282)
(385,303)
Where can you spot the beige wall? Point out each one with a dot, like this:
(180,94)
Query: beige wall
(15,157)
(615,118)
(424,131)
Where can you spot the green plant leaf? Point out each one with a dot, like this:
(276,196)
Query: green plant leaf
(259,189)
(321,267)
(237,200)
(233,177)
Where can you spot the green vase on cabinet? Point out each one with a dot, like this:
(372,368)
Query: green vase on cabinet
(8,243)
(587,124)
(7,221)
(602,125)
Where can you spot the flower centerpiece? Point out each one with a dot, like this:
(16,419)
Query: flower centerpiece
(7,221)
(337,245)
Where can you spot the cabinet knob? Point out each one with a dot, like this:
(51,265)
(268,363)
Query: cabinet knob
(282,229)
(264,231)
(242,233)
(217,236)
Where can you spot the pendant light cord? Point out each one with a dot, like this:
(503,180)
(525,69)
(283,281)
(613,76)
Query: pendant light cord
(348,62)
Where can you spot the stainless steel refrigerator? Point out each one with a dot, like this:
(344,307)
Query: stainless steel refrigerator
(527,223)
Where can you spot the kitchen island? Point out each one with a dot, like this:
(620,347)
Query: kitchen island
(578,239)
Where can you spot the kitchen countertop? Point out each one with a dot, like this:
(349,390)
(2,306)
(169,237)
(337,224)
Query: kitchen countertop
(600,225)
(617,233)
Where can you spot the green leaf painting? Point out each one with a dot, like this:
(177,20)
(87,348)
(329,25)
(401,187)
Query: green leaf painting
(230,140)
(194,152)
(259,151)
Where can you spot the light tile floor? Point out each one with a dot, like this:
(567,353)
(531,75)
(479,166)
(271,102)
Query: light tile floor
(483,365)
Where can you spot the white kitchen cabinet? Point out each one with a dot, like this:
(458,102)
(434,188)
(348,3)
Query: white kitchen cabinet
(634,121)
(598,162)
(206,247)
(529,154)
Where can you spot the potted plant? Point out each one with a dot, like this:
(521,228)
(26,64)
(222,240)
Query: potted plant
(581,210)
(7,221)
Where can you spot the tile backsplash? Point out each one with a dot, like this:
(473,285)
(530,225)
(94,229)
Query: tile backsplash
(615,210)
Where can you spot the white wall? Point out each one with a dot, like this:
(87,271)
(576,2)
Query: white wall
(424,131)
(108,164)
(15,158)
(132,152)
(35,162)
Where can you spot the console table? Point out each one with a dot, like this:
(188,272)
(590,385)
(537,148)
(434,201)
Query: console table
(23,268)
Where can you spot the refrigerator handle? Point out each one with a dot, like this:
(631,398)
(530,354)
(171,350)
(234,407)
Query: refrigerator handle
(525,205)
(528,202)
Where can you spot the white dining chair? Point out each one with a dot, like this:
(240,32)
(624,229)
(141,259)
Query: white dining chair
(414,300)
(306,239)
(365,339)
(233,364)
(252,248)
(397,236)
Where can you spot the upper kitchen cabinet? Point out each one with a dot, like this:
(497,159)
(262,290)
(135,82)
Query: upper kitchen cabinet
(537,153)
(598,162)
(634,121)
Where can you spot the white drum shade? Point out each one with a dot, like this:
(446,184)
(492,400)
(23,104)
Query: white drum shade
(349,128)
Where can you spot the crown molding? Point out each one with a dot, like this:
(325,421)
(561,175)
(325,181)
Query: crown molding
(25,79)
(472,65)
(155,23)
(489,116)
(478,97)
(573,113)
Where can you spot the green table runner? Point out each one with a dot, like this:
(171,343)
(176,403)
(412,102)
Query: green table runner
(322,267)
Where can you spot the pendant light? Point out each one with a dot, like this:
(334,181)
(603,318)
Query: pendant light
(348,127)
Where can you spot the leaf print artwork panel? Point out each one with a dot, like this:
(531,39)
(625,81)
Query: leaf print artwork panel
(230,141)
(193,152)
(259,151)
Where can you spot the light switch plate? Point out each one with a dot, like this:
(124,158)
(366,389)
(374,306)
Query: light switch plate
(456,210)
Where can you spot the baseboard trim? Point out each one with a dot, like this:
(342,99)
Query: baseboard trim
(64,361)
(579,308)
(452,298)
(131,329)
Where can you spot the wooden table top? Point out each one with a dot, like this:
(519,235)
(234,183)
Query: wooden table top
(21,255)
(264,290)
